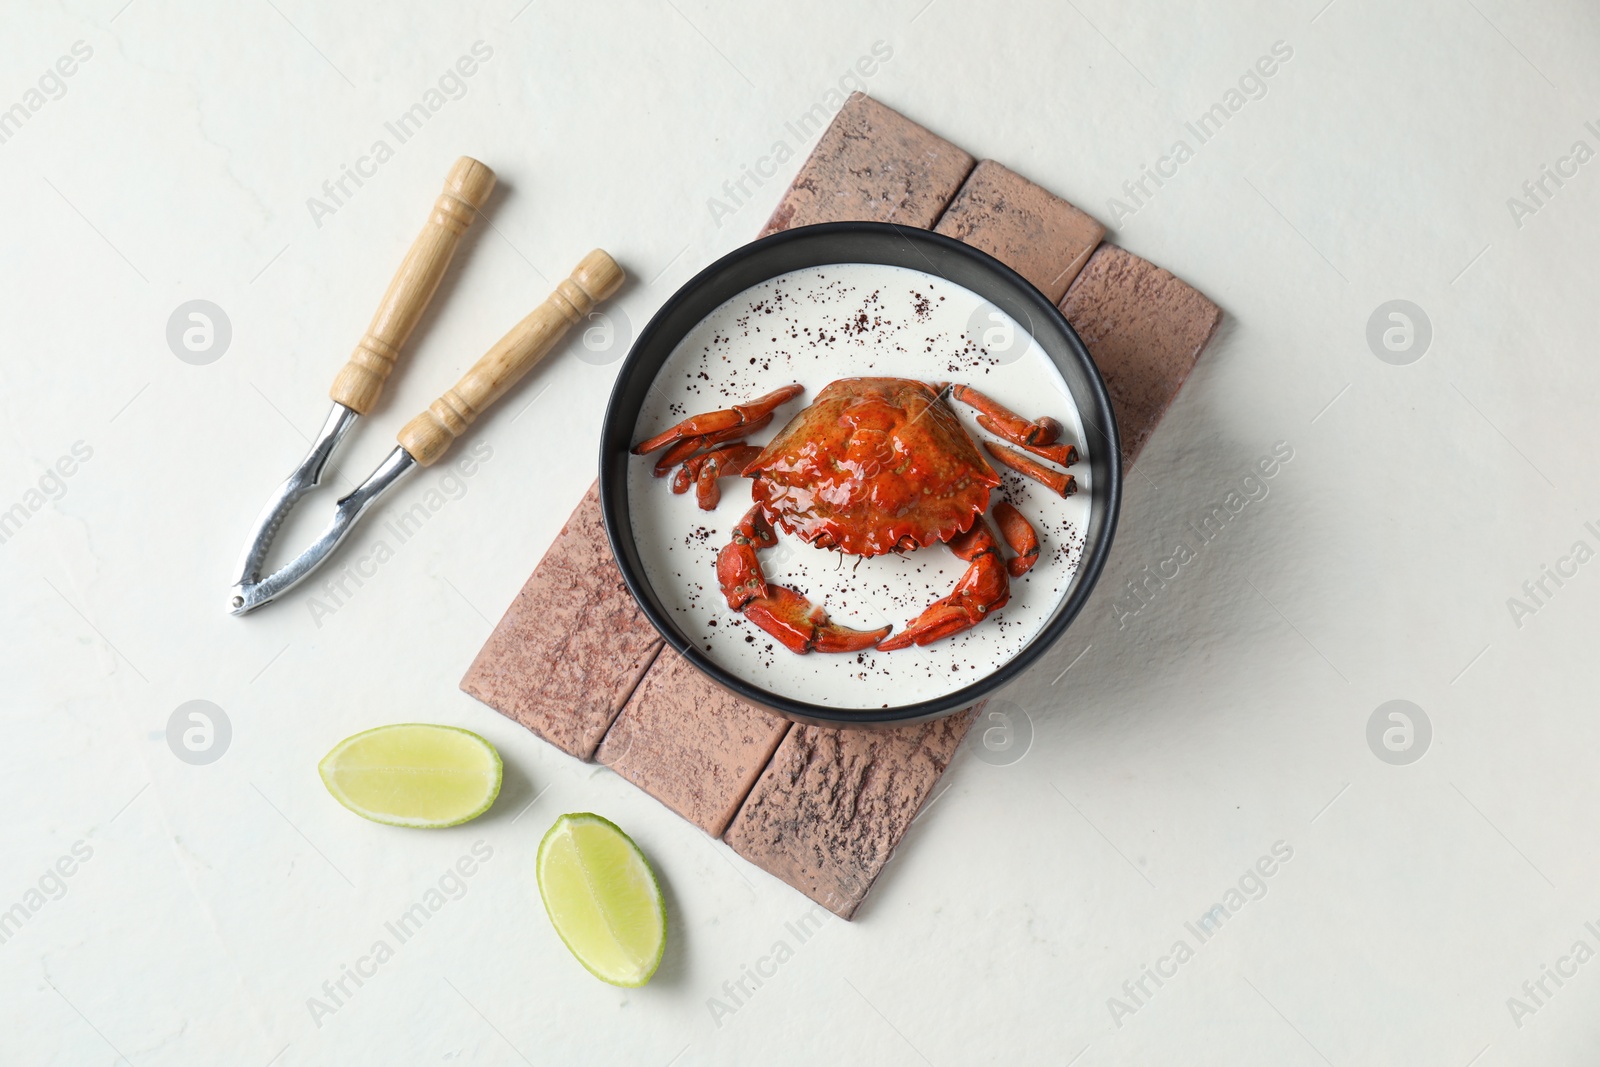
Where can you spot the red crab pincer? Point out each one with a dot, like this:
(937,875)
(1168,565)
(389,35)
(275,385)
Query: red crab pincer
(872,465)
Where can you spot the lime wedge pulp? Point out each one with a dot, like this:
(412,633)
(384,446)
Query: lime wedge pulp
(414,774)
(603,899)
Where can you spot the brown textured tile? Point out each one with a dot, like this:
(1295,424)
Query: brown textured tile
(690,744)
(872,164)
(822,809)
(572,646)
(1145,329)
(1031,230)
(833,804)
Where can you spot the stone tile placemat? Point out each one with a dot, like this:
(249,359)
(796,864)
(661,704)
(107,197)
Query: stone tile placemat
(872,164)
(1145,329)
(575,661)
(693,746)
(572,646)
(833,804)
(1032,231)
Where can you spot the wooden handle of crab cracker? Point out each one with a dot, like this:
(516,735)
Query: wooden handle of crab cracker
(430,434)
(360,381)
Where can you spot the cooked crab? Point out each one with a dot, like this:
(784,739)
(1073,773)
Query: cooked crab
(872,465)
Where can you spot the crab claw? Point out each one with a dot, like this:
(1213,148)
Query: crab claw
(1019,534)
(719,463)
(779,610)
(982,589)
(803,627)
(738,569)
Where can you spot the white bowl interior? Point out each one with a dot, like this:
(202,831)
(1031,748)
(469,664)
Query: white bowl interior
(807,326)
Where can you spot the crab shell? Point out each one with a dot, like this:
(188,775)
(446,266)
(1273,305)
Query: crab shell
(873,465)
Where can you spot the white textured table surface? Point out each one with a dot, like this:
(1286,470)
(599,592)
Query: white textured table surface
(1225,721)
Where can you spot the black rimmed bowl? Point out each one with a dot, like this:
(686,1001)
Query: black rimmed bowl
(862,242)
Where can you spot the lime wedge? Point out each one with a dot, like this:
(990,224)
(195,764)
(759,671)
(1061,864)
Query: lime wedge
(603,899)
(413,774)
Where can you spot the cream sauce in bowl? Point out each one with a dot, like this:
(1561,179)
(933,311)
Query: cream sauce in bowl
(813,326)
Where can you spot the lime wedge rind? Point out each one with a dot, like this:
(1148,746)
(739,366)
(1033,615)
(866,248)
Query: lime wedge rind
(341,773)
(635,894)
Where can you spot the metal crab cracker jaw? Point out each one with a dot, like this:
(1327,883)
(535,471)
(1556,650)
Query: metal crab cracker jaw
(428,436)
(251,591)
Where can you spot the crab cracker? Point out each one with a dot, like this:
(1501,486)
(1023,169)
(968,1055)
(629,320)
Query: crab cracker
(427,437)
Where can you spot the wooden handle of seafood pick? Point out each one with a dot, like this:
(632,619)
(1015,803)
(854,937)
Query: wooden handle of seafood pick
(360,381)
(430,434)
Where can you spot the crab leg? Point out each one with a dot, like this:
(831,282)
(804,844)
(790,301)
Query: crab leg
(803,627)
(1039,436)
(675,455)
(982,589)
(800,625)
(1019,534)
(1007,423)
(730,460)
(724,462)
(740,416)
(1063,484)
(1066,455)
(687,447)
